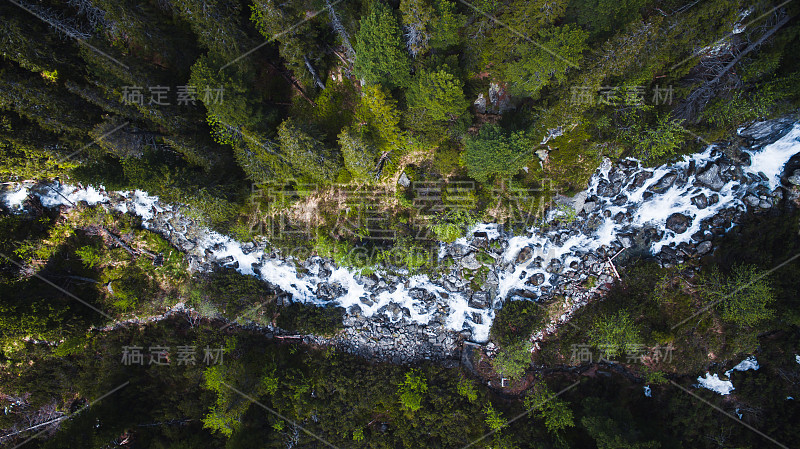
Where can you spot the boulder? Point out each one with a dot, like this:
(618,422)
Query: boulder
(704,247)
(542,154)
(620,200)
(404,181)
(664,183)
(470,262)
(536,279)
(711,178)
(524,255)
(795,178)
(640,178)
(701,201)
(751,200)
(480,300)
(679,223)
(607,189)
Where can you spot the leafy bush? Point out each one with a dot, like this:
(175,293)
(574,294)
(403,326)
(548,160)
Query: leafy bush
(614,334)
(412,390)
(452,226)
(467,389)
(517,320)
(542,403)
(743,297)
(512,360)
(439,93)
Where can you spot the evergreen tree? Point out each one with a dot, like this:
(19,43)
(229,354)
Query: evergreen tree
(380,54)
(359,157)
(493,151)
(439,94)
(307,154)
(546,60)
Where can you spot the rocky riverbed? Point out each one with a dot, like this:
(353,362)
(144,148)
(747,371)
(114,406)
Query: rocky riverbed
(673,213)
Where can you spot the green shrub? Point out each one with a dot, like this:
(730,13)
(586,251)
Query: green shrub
(512,360)
(412,391)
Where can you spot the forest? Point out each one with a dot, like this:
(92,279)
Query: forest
(369,132)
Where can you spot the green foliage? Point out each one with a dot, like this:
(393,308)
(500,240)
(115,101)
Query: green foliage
(438,93)
(607,15)
(546,61)
(494,419)
(412,390)
(466,388)
(90,255)
(611,427)
(614,334)
(380,56)
(495,152)
(743,297)
(430,24)
(360,158)
(654,143)
(542,403)
(517,320)
(308,154)
(286,23)
(513,359)
(451,226)
(377,121)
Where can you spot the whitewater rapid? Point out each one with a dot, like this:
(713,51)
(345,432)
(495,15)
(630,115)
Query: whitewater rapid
(640,209)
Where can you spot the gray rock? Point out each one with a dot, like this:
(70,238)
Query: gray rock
(542,154)
(404,181)
(679,223)
(524,255)
(768,130)
(751,200)
(607,189)
(470,262)
(480,300)
(704,247)
(640,178)
(480,104)
(664,183)
(711,178)
(625,240)
(795,178)
(701,201)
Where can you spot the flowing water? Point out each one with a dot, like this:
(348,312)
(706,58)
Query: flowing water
(622,203)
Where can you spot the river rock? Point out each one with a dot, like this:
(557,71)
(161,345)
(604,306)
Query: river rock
(640,178)
(664,183)
(679,223)
(795,178)
(704,247)
(607,189)
(701,201)
(711,178)
(524,255)
(470,262)
(480,300)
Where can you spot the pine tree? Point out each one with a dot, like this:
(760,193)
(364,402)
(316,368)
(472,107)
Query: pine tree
(439,93)
(308,155)
(359,157)
(380,54)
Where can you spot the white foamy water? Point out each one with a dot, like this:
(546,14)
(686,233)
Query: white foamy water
(714,383)
(592,234)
